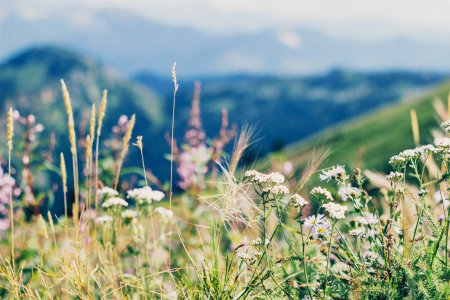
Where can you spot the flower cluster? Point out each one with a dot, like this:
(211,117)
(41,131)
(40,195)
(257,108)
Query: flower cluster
(114,202)
(336,211)
(145,195)
(261,178)
(107,192)
(298,201)
(320,192)
(276,190)
(394,177)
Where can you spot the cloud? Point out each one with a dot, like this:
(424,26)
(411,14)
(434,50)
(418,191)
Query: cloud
(345,18)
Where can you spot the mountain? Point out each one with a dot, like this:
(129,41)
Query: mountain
(285,110)
(30,82)
(132,43)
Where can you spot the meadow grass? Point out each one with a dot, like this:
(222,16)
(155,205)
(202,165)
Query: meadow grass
(230,233)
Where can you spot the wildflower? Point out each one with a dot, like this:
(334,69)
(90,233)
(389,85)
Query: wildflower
(400,160)
(145,195)
(358,232)
(107,192)
(258,242)
(166,214)
(298,201)
(138,232)
(276,178)
(337,173)
(193,166)
(129,214)
(446,126)
(321,192)
(349,192)
(314,220)
(442,143)
(321,229)
(335,211)
(249,259)
(104,220)
(276,190)
(395,177)
(367,218)
(260,178)
(115,201)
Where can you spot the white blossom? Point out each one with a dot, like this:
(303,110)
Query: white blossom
(104,219)
(336,172)
(298,201)
(166,214)
(276,190)
(395,177)
(145,195)
(115,201)
(129,214)
(107,191)
(314,220)
(349,192)
(319,191)
(335,210)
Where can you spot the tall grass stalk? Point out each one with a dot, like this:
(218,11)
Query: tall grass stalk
(73,151)
(64,187)
(10,134)
(125,147)
(172,139)
(90,162)
(101,116)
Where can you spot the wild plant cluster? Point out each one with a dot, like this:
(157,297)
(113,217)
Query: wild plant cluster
(227,233)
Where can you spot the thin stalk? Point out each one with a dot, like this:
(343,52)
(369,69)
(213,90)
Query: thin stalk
(11,208)
(328,261)
(172,142)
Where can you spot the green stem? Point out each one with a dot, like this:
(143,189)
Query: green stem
(328,260)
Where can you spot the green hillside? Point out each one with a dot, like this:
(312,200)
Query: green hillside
(30,82)
(369,141)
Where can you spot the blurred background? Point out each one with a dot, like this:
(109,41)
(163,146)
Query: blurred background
(303,73)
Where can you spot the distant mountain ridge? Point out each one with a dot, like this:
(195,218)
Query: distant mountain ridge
(131,43)
(282,109)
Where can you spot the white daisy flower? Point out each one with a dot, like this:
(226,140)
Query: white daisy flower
(349,192)
(367,218)
(336,172)
(313,220)
(322,229)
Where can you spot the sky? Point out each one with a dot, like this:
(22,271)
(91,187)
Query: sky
(355,19)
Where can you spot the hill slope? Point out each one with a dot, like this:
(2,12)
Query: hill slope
(287,109)
(30,83)
(369,141)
